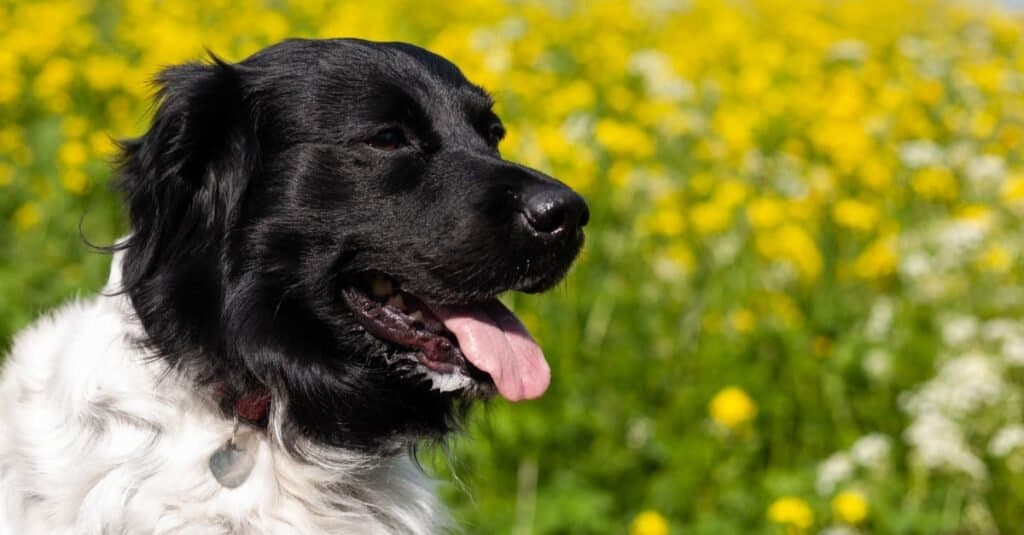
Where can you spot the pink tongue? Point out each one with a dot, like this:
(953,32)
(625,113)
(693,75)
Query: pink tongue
(494,340)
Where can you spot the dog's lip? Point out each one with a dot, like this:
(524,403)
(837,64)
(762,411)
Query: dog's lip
(403,319)
(476,340)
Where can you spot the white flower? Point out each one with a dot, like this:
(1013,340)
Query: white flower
(871,451)
(958,330)
(960,237)
(1006,440)
(916,265)
(655,67)
(987,168)
(838,530)
(848,50)
(938,444)
(1000,329)
(920,153)
(880,319)
(878,364)
(833,471)
(639,432)
(962,386)
(1013,350)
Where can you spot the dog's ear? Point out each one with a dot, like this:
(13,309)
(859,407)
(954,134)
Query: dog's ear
(183,178)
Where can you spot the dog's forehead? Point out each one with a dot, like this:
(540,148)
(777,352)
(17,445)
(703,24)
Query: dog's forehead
(429,79)
(352,66)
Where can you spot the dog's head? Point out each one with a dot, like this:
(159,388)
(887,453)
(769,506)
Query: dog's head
(332,221)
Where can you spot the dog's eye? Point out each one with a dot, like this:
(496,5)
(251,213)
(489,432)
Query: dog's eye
(495,133)
(389,139)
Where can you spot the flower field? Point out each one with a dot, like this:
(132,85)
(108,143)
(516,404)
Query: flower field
(800,305)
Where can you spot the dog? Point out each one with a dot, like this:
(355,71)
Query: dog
(308,291)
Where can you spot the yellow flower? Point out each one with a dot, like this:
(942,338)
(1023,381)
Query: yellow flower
(743,320)
(1013,190)
(74,180)
(732,408)
(103,72)
(710,217)
(620,174)
(791,512)
(676,261)
(879,260)
(554,144)
(792,243)
(730,193)
(855,214)
(74,126)
(102,144)
(624,139)
(875,174)
(996,258)
(935,183)
(765,212)
(577,95)
(27,216)
(929,92)
(667,222)
(850,507)
(735,126)
(6,174)
(54,78)
(649,523)
(73,154)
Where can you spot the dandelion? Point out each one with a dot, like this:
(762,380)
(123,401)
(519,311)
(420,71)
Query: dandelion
(743,320)
(996,258)
(74,181)
(850,507)
(765,212)
(624,139)
(710,217)
(649,523)
(73,154)
(732,408)
(879,260)
(27,216)
(791,512)
(6,175)
(856,214)
(935,183)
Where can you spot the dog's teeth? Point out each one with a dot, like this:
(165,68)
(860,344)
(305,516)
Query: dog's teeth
(417,316)
(382,287)
(397,302)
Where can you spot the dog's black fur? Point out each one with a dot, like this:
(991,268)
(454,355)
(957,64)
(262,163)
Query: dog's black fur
(265,187)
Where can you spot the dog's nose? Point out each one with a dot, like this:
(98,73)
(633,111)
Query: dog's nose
(554,210)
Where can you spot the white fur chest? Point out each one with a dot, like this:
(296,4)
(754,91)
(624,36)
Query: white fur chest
(97,437)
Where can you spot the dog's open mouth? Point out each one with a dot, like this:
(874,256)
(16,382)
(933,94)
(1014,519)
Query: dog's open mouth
(482,343)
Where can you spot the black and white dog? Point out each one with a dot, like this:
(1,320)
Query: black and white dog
(318,236)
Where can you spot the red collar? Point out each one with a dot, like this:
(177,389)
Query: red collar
(253,406)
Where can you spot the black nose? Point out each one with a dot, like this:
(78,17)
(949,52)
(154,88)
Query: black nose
(555,209)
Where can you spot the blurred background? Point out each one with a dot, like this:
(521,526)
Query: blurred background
(799,307)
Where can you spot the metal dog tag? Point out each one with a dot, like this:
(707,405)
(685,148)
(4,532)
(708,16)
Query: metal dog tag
(232,463)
